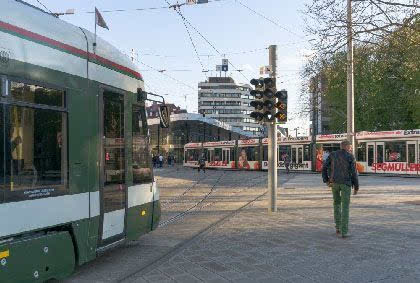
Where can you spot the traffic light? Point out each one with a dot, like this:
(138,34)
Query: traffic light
(269,99)
(281,105)
(267,109)
(258,103)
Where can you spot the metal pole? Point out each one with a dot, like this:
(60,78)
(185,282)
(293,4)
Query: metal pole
(350,79)
(158,145)
(272,142)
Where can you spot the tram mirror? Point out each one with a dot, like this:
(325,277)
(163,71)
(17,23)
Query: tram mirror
(141,95)
(164,116)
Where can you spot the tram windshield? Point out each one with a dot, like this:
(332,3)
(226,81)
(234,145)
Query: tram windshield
(142,167)
(191,155)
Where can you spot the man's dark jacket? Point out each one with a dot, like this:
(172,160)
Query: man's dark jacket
(340,168)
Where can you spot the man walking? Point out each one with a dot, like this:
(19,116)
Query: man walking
(202,163)
(286,160)
(160,160)
(339,172)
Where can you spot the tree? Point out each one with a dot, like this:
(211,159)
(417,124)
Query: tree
(387,82)
(373,21)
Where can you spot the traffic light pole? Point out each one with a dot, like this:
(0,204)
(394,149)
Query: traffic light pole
(272,142)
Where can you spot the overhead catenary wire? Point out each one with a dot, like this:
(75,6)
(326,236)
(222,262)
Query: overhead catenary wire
(209,43)
(142,9)
(40,3)
(192,41)
(268,19)
(166,75)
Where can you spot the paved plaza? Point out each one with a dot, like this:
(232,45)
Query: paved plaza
(228,235)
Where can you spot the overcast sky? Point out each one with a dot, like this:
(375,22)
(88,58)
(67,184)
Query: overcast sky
(161,41)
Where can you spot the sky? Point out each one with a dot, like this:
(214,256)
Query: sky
(161,42)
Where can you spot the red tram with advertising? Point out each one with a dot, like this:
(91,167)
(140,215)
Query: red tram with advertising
(395,152)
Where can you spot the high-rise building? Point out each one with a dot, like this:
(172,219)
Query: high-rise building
(222,99)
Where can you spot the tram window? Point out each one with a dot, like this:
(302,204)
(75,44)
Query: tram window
(284,149)
(248,153)
(142,171)
(370,155)
(411,153)
(395,152)
(37,94)
(306,153)
(265,153)
(361,152)
(379,153)
(36,153)
(217,154)
(191,155)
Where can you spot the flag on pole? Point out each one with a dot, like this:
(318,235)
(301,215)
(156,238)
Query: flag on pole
(99,20)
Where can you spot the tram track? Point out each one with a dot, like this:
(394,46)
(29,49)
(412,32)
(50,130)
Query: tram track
(169,202)
(185,212)
(167,255)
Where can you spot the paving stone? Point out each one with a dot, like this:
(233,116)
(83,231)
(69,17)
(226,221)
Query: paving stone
(186,278)
(214,266)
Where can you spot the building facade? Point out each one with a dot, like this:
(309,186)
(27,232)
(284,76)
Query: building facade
(188,127)
(222,99)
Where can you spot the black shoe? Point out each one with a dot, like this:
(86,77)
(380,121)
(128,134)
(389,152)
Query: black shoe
(345,236)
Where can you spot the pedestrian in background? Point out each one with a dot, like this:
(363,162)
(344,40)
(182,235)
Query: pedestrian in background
(286,160)
(160,160)
(339,172)
(202,163)
(154,160)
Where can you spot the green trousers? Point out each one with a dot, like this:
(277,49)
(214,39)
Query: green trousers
(341,195)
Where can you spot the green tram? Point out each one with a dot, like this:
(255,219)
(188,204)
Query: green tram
(75,172)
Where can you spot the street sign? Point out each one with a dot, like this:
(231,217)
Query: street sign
(218,68)
(164,116)
(191,2)
(225,65)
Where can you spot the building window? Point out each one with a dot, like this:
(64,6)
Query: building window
(33,146)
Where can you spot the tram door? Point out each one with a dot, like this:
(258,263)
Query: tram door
(375,154)
(297,154)
(113,189)
(226,155)
(412,153)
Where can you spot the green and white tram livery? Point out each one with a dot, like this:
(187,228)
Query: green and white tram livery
(75,172)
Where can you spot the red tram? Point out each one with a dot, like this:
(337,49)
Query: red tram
(396,152)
